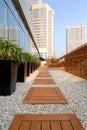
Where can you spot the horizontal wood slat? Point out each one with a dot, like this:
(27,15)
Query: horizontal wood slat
(44,81)
(43,75)
(46,122)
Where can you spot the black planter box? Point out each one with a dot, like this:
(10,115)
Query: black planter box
(28,68)
(8,77)
(22,72)
(32,67)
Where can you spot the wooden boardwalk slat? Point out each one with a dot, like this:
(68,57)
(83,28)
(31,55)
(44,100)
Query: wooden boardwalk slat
(25,125)
(55,125)
(51,101)
(46,122)
(76,124)
(45,125)
(50,117)
(66,125)
(44,81)
(44,75)
(36,125)
(44,95)
(16,123)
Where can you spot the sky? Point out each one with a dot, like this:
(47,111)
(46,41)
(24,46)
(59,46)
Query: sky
(67,12)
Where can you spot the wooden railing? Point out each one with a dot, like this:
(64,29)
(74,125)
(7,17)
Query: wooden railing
(76,61)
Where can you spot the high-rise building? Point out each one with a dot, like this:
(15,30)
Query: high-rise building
(75,37)
(43,22)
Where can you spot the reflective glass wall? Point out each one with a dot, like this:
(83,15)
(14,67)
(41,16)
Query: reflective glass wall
(12,27)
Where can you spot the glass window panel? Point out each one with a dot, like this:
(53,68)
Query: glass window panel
(12,8)
(12,28)
(21,38)
(3,13)
(3,20)
(27,44)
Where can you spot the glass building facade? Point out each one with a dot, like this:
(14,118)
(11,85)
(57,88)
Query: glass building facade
(13,27)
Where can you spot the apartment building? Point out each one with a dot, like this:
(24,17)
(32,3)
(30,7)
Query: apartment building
(75,37)
(43,21)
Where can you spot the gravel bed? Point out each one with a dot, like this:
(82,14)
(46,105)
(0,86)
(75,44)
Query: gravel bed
(74,89)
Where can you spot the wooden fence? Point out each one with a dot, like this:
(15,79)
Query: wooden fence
(76,61)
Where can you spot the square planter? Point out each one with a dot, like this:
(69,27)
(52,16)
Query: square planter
(8,76)
(28,68)
(22,72)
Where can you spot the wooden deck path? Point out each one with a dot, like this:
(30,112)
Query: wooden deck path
(44,81)
(45,95)
(46,122)
(42,95)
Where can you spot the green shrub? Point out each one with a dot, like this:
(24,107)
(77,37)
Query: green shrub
(10,51)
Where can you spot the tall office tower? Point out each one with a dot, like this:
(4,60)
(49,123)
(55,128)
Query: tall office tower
(75,37)
(43,22)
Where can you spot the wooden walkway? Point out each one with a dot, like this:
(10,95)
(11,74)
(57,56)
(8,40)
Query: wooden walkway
(45,95)
(46,122)
(42,95)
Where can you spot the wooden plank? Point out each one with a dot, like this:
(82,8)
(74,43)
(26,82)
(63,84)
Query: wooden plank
(25,125)
(55,125)
(50,117)
(43,72)
(45,102)
(29,94)
(50,101)
(76,124)
(45,75)
(45,125)
(36,125)
(46,122)
(60,95)
(15,124)
(66,125)
(44,98)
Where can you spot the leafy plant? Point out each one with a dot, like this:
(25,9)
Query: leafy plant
(26,56)
(30,58)
(10,51)
(37,60)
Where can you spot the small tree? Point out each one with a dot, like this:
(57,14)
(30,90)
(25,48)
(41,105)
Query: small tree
(51,61)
